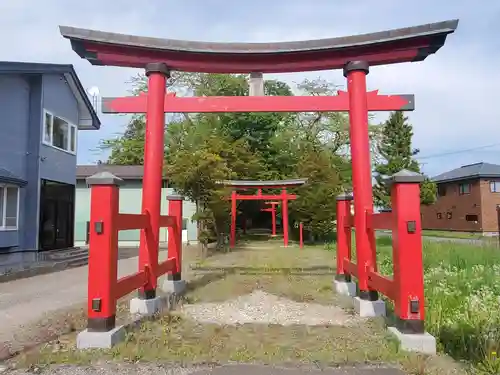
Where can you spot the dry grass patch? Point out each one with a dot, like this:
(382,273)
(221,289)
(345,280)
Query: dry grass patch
(174,339)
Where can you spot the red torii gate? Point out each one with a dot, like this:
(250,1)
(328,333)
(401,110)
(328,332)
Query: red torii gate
(259,185)
(272,210)
(354,54)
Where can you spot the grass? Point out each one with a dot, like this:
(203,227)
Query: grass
(462,292)
(174,339)
(300,275)
(454,234)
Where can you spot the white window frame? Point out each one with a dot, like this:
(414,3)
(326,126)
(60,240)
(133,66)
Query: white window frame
(51,134)
(461,188)
(494,186)
(3,197)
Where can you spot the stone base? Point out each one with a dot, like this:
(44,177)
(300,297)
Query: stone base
(367,309)
(345,288)
(148,307)
(100,340)
(174,290)
(423,343)
(174,287)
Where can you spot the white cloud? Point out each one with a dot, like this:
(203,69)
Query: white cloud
(455,89)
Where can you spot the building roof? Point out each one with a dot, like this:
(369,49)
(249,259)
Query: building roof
(471,171)
(125,172)
(88,116)
(8,177)
(385,47)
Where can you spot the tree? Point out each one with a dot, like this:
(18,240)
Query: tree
(128,149)
(316,204)
(198,158)
(201,149)
(395,149)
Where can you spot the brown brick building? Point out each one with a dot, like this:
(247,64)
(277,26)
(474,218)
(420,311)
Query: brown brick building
(467,200)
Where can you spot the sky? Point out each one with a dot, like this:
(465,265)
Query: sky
(456,118)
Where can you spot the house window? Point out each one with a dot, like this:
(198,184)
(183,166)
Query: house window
(495,186)
(184,224)
(441,190)
(439,216)
(59,133)
(473,218)
(448,215)
(464,189)
(9,207)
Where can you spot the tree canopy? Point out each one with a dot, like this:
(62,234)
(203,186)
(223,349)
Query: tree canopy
(396,153)
(202,149)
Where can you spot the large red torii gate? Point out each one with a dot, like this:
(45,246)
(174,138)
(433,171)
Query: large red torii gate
(354,54)
(260,185)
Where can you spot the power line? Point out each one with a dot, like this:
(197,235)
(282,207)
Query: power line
(456,151)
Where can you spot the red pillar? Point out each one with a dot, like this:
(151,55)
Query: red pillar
(103,251)
(409,306)
(273,218)
(175,236)
(301,236)
(344,237)
(284,213)
(232,240)
(356,72)
(153,171)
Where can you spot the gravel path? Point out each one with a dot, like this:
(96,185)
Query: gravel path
(264,308)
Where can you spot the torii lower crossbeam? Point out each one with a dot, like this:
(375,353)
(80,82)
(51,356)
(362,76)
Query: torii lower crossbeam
(223,104)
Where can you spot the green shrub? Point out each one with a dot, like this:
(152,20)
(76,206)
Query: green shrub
(462,296)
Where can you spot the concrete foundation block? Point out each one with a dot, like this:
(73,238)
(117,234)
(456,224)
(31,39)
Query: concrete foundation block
(367,309)
(177,287)
(174,290)
(148,307)
(100,340)
(423,343)
(345,288)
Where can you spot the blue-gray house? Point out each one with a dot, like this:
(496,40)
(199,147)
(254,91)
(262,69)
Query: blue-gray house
(42,108)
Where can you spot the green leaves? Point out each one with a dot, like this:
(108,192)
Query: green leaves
(395,149)
(202,149)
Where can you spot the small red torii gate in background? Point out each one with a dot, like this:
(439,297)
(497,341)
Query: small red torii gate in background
(354,54)
(272,210)
(284,197)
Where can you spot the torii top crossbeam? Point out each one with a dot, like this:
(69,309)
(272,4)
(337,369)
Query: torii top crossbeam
(247,184)
(380,48)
